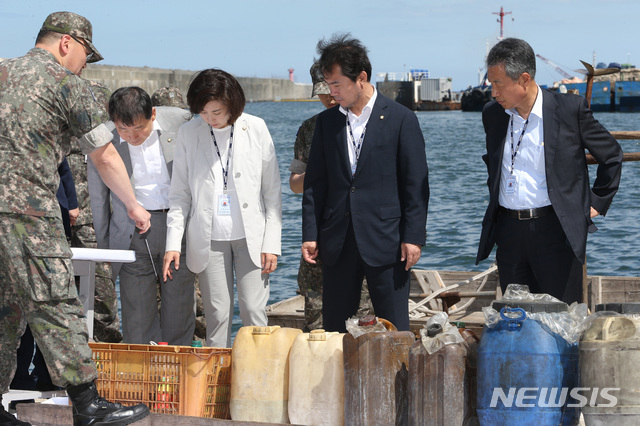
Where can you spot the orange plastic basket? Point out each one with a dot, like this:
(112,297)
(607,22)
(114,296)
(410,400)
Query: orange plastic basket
(168,379)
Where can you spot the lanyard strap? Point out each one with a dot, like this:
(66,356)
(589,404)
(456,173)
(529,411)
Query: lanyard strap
(514,152)
(356,147)
(225,171)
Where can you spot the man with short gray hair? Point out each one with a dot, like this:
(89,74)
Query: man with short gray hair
(43,104)
(540,201)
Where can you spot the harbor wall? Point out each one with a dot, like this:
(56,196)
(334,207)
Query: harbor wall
(150,79)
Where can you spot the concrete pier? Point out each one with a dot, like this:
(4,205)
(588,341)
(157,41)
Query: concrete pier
(150,79)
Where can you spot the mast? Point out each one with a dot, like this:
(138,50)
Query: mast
(502,13)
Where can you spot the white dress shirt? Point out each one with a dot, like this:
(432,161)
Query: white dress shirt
(225,227)
(530,189)
(358,126)
(151,178)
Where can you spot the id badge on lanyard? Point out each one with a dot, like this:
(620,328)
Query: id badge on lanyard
(511,185)
(511,180)
(224,205)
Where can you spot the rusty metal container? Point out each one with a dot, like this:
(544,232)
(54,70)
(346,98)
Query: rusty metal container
(442,385)
(375,375)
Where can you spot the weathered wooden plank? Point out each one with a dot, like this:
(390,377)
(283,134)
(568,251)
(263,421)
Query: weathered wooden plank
(627,156)
(622,135)
(614,290)
(626,134)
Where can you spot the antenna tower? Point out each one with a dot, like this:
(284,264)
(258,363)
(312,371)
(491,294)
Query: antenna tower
(502,13)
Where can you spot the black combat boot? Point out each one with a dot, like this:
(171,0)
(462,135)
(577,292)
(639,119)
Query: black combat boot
(7,419)
(89,408)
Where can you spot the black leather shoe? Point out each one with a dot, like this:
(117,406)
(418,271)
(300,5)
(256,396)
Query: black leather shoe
(90,409)
(7,419)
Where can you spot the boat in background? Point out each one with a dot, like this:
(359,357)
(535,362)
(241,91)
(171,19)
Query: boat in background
(474,98)
(617,92)
(461,294)
(418,92)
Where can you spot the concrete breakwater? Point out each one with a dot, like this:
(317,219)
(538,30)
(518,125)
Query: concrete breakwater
(150,79)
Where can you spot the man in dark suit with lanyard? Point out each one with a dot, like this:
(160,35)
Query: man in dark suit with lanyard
(541,206)
(365,191)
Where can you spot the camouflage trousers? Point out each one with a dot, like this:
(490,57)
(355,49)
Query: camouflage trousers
(106,322)
(37,287)
(200,332)
(310,284)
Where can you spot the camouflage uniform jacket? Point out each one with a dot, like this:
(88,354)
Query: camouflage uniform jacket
(42,105)
(78,163)
(302,146)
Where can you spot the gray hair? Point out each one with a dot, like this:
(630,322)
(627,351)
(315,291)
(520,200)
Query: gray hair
(516,55)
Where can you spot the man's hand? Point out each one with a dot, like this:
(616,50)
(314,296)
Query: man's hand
(410,253)
(141,217)
(73,216)
(310,251)
(594,212)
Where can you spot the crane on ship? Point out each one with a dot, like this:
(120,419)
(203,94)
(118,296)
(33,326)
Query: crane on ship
(555,67)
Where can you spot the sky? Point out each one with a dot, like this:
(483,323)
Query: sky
(260,38)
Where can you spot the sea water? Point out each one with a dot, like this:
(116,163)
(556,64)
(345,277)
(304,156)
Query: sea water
(455,144)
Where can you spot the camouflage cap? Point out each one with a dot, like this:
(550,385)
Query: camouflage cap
(320,87)
(74,25)
(168,96)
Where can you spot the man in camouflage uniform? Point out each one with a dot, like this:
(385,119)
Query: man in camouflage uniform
(43,103)
(168,96)
(310,276)
(106,323)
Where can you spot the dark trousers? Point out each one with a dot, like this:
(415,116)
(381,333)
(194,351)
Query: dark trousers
(536,252)
(342,283)
(39,378)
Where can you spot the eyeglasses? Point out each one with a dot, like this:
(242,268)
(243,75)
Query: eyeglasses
(87,51)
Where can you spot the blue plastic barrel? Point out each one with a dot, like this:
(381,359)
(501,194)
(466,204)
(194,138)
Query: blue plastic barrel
(526,372)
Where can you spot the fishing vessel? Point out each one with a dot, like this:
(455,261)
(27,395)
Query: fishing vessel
(419,92)
(617,90)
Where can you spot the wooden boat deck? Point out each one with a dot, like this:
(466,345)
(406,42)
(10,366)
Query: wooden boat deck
(290,312)
(473,296)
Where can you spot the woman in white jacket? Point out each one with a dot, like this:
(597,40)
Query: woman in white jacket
(225,192)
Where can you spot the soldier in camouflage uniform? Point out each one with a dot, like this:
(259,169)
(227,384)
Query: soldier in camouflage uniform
(168,96)
(310,276)
(43,103)
(106,323)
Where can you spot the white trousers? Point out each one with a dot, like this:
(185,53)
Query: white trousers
(216,285)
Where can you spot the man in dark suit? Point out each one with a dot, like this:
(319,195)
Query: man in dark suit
(541,206)
(365,191)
